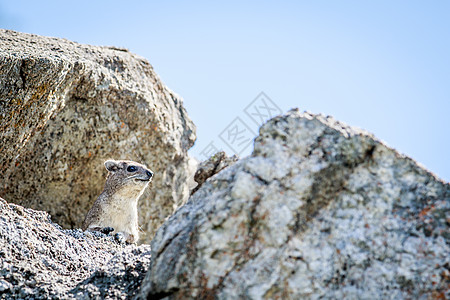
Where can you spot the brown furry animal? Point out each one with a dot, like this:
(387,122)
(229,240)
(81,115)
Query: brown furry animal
(116,208)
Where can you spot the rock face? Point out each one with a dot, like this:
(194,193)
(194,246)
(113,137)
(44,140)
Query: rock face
(65,108)
(320,210)
(39,260)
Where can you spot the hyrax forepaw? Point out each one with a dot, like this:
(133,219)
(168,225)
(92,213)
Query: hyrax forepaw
(107,230)
(120,237)
(124,237)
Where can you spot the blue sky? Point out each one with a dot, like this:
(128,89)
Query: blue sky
(382,65)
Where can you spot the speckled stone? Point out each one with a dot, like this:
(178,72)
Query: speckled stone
(320,210)
(65,108)
(40,260)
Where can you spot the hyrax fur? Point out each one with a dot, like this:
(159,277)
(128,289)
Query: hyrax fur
(116,207)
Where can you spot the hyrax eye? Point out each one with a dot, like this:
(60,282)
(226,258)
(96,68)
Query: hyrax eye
(132,169)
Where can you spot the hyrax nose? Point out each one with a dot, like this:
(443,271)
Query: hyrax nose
(149,174)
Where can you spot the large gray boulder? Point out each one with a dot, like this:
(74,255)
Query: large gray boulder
(39,260)
(65,108)
(319,210)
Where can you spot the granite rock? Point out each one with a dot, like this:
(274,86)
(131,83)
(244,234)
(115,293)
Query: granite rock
(40,260)
(66,107)
(119,278)
(319,210)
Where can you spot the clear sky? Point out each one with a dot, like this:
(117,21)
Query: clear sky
(380,65)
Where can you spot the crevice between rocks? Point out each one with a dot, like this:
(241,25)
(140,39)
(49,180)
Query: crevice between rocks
(161,295)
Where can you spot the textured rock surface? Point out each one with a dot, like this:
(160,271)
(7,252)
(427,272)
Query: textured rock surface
(40,260)
(320,210)
(67,107)
(212,166)
(120,278)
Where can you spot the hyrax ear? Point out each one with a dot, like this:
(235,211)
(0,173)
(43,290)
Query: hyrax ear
(111,165)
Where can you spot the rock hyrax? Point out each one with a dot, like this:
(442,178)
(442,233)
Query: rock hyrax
(116,207)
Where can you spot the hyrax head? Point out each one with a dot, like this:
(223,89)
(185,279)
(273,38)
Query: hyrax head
(127,175)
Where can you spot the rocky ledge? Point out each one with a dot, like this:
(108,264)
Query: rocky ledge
(40,260)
